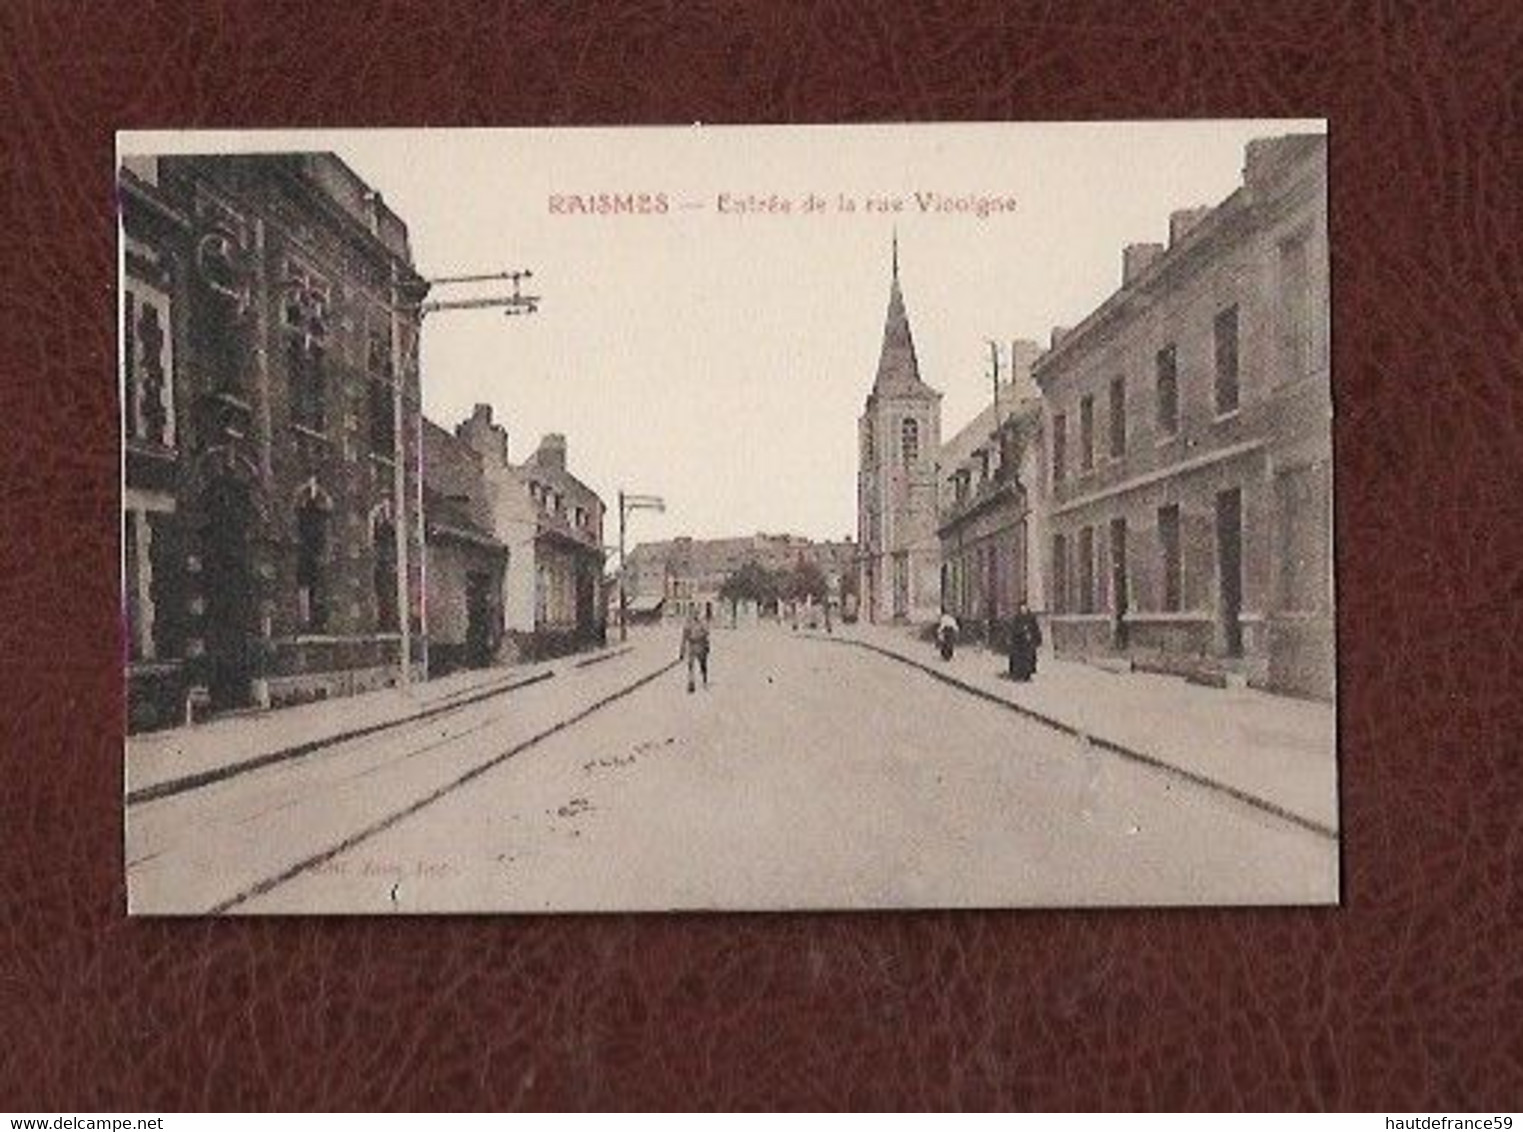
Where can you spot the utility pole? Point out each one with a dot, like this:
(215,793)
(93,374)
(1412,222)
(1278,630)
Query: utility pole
(994,375)
(399,481)
(403,356)
(628,503)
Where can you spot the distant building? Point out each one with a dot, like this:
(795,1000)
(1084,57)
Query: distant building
(261,346)
(992,500)
(466,561)
(899,438)
(1189,442)
(552,526)
(684,575)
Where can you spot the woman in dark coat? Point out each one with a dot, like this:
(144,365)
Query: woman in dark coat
(1025,639)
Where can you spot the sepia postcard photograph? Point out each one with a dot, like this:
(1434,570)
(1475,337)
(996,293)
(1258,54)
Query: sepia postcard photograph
(727,518)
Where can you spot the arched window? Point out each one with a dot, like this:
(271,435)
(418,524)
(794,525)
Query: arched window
(909,441)
(304,315)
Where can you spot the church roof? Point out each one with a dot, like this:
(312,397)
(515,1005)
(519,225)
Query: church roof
(898,368)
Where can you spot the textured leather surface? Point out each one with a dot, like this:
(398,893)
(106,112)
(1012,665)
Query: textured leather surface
(1409,997)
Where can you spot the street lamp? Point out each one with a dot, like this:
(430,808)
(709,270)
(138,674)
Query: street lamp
(628,503)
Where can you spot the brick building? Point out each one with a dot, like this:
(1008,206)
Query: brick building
(992,506)
(262,435)
(1189,426)
(899,438)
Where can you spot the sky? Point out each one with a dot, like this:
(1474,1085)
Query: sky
(721,359)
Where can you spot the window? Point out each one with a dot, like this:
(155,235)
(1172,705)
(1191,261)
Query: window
(1295,313)
(304,360)
(1120,597)
(1087,570)
(868,455)
(1087,433)
(1168,391)
(385,578)
(383,432)
(1059,447)
(901,583)
(1118,418)
(1226,361)
(1168,544)
(1060,573)
(147,354)
(139,604)
(909,441)
(311,551)
(304,314)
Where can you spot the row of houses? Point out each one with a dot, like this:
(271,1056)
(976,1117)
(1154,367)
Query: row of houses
(672,578)
(293,527)
(1157,482)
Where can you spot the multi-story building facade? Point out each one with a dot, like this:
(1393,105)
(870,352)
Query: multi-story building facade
(568,551)
(1189,442)
(466,561)
(270,412)
(899,438)
(552,526)
(992,507)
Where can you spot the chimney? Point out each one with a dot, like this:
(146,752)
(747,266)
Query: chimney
(373,206)
(1135,259)
(1266,158)
(487,440)
(1023,355)
(1058,334)
(1261,155)
(1183,219)
(552,452)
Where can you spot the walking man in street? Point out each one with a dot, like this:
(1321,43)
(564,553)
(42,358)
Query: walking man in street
(695,648)
(946,634)
(1025,639)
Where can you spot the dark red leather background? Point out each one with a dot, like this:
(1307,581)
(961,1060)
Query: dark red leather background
(1409,997)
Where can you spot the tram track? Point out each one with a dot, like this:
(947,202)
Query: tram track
(387,821)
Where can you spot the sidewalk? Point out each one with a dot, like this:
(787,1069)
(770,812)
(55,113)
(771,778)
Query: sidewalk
(1277,752)
(210,750)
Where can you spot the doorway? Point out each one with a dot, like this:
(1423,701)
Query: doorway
(1229,559)
(1120,593)
(478,619)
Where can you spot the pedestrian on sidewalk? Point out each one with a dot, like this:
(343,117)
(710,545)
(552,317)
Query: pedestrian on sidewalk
(1025,639)
(946,634)
(695,648)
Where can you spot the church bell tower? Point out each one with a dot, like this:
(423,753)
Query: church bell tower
(899,438)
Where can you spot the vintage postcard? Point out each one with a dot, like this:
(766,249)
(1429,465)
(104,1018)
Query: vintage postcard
(902,516)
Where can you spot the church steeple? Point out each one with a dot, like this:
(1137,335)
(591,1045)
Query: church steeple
(898,368)
(899,554)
